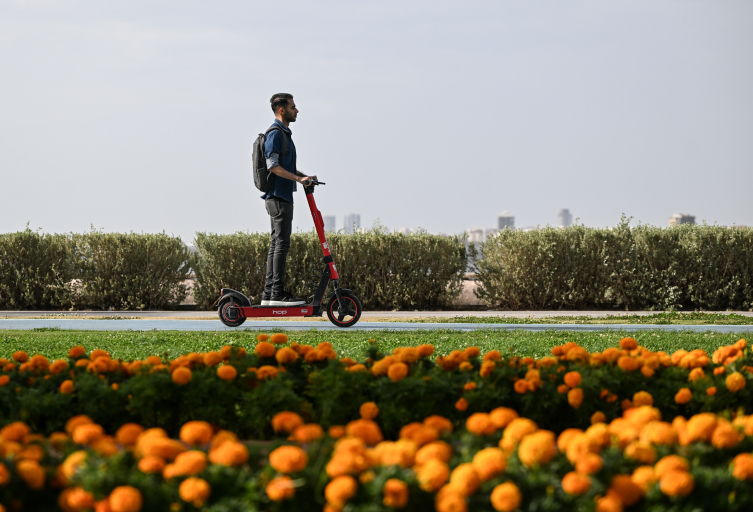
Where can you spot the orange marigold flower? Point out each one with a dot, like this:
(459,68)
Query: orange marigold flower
(71,464)
(227,372)
(163,447)
(487,367)
(725,435)
(575,397)
(369,410)
(125,499)
(286,355)
(742,466)
(340,490)
(425,350)
(480,424)
(589,463)
(440,423)
(670,463)
(76,351)
(395,493)
(465,366)
(419,433)
(470,386)
(676,483)
(537,448)
(31,473)
(262,337)
(66,387)
(701,426)
(336,431)
(280,488)
(182,375)
(471,352)
(696,374)
(642,398)
(609,503)
(625,489)
(212,358)
(575,483)
(735,382)
(465,479)
(189,463)
(288,459)
(711,390)
(506,497)
(573,379)
(502,416)
(230,453)
(195,433)
(152,464)
(493,355)
(719,370)
(683,396)
(195,490)
(367,430)
(286,421)
(20,356)
(640,451)
(628,364)
(565,436)
(15,431)
(461,404)
(517,429)
(87,433)
(598,417)
(438,450)
(563,388)
(397,371)
(432,474)
(628,344)
(644,477)
(308,433)
(4,380)
(658,432)
(488,463)
(78,499)
(264,349)
(521,386)
(279,338)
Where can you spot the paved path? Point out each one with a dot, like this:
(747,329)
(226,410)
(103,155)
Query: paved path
(216,325)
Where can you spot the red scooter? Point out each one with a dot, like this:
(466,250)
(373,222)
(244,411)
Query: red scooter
(343,308)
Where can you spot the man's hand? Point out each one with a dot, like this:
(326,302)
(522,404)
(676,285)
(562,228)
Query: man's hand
(306,180)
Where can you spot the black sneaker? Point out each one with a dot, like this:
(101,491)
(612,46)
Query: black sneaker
(285,299)
(265,299)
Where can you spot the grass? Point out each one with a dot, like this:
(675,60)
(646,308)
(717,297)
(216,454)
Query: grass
(54,343)
(664,318)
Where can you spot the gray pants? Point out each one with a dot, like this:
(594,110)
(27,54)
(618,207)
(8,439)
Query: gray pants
(281,217)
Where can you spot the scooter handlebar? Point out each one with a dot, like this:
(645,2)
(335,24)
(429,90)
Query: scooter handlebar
(309,189)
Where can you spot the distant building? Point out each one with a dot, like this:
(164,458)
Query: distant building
(329,223)
(351,223)
(480,234)
(681,218)
(564,218)
(404,231)
(505,221)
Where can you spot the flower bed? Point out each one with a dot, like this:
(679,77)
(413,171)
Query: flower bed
(622,428)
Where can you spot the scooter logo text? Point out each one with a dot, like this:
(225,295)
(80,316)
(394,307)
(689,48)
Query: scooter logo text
(282,312)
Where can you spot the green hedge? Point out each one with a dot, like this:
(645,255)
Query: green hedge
(92,271)
(645,267)
(385,270)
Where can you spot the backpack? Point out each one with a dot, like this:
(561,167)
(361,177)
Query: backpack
(263,178)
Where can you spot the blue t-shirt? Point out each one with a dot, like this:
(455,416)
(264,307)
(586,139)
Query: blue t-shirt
(282,187)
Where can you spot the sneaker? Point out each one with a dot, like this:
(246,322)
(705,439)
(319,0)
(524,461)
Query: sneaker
(285,299)
(264,300)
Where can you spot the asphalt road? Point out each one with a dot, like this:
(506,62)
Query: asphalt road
(216,325)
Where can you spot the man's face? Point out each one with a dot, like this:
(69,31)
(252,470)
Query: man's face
(290,113)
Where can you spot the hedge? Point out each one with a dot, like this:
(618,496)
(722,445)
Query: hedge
(645,267)
(385,270)
(92,271)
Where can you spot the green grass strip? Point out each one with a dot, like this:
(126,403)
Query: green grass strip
(129,345)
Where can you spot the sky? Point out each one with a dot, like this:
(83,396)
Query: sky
(139,115)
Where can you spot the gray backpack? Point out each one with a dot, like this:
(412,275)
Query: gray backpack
(263,178)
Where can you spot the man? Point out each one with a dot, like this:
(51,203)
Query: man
(279,151)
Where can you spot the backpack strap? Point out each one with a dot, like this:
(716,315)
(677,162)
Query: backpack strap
(284,138)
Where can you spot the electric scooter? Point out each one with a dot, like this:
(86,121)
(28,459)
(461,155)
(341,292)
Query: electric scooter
(343,308)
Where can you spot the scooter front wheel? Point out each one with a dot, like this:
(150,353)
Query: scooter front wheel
(229,313)
(351,310)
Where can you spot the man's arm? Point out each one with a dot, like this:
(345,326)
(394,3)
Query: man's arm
(282,173)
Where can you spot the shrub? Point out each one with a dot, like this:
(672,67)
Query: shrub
(644,267)
(129,270)
(385,270)
(35,270)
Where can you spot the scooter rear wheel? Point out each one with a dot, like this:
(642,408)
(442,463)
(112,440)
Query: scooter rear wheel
(352,310)
(229,313)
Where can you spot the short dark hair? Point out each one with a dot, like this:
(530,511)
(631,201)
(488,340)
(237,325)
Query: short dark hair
(280,100)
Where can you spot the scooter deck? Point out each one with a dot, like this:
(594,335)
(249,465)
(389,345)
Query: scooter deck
(275,311)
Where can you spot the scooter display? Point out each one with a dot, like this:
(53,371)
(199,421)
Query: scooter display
(342,307)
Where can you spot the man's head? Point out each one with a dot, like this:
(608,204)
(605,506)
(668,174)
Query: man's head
(284,107)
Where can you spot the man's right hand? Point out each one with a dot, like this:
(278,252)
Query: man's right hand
(306,181)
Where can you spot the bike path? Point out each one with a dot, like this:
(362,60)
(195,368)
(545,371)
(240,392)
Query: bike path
(216,325)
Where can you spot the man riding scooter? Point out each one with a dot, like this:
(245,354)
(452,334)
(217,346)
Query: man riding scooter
(280,154)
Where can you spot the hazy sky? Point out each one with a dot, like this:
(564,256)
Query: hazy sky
(139,115)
